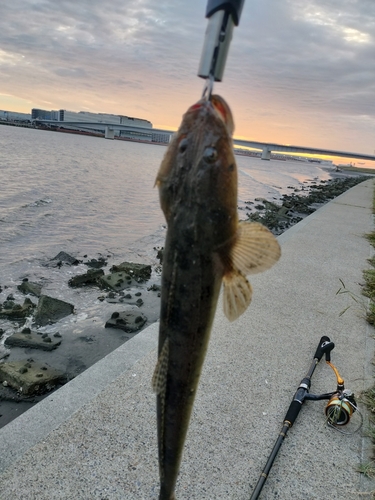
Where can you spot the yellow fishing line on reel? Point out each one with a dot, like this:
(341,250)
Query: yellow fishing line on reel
(341,406)
(339,410)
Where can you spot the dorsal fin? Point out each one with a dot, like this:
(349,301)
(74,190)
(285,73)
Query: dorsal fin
(159,377)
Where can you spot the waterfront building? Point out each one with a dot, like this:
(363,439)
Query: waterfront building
(92,119)
(43,114)
(88,117)
(161,138)
(14,116)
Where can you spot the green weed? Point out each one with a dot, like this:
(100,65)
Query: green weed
(367,469)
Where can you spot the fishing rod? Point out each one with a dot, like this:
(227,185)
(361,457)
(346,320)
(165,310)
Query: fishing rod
(339,410)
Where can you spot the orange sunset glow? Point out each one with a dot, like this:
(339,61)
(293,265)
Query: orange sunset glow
(298,72)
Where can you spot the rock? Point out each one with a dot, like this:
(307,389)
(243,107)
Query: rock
(4,352)
(51,310)
(282,212)
(30,377)
(154,288)
(139,272)
(278,218)
(89,278)
(16,311)
(159,254)
(63,258)
(28,287)
(101,262)
(32,340)
(117,281)
(8,304)
(131,320)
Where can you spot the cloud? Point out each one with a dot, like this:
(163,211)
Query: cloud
(295,68)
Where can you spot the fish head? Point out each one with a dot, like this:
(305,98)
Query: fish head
(198,175)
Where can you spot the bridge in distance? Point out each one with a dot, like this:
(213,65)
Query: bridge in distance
(266,147)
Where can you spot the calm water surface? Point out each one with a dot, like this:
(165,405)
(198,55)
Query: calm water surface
(64,191)
(79,193)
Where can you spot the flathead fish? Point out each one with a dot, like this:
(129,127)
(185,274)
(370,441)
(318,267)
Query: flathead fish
(205,246)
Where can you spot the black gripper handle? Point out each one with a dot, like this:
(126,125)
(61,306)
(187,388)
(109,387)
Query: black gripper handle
(325,347)
(232,6)
(292,413)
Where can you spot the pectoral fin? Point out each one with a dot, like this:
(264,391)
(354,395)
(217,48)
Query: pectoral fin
(159,378)
(255,250)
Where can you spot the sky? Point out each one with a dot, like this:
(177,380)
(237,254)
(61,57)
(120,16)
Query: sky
(298,72)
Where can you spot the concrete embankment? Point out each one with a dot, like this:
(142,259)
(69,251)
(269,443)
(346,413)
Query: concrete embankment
(95,438)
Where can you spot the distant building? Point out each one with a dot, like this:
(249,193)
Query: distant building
(161,138)
(87,117)
(43,114)
(14,116)
(91,119)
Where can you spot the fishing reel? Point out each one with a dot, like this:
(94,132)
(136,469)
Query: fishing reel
(342,404)
(340,408)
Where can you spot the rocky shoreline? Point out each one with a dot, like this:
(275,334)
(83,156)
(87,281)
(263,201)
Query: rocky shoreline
(295,206)
(46,341)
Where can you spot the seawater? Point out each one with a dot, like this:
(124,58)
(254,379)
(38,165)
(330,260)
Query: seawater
(91,196)
(85,194)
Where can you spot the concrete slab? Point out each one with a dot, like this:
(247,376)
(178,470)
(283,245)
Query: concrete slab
(29,377)
(96,437)
(33,340)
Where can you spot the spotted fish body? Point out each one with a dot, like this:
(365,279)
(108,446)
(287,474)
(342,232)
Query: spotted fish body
(205,246)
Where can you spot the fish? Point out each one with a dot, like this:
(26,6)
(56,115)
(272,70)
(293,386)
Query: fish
(206,246)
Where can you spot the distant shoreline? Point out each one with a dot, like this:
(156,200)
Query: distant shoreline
(359,169)
(353,169)
(80,132)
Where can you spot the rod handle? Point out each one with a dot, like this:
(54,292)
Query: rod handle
(325,347)
(293,411)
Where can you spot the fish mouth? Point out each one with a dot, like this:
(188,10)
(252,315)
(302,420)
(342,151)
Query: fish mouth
(223,111)
(219,107)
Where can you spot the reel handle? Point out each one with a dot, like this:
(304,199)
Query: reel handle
(325,347)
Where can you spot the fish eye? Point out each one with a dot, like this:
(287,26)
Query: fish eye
(183,146)
(210,154)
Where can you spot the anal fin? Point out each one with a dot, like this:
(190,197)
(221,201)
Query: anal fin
(254,250)
(237,294)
